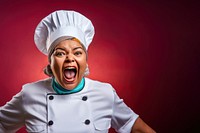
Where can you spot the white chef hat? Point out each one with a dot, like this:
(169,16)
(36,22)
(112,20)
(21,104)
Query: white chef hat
(61,25)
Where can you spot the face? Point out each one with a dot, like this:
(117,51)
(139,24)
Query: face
(68,63)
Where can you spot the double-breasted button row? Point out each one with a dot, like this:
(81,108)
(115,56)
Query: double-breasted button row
(84,98)
(51,97)
(87,122)
(50,122)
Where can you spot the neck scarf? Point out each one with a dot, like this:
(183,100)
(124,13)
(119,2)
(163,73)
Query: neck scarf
(60,90)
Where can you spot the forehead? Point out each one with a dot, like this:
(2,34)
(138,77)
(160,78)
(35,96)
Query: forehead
(68,44)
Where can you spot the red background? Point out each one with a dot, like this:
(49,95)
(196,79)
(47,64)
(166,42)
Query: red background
(149,51)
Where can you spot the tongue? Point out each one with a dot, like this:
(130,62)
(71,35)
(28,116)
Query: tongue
(69,74)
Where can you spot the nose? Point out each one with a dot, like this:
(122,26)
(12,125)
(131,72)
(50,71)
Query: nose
(69,59)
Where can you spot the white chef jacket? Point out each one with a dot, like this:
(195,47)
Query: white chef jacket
(92,110)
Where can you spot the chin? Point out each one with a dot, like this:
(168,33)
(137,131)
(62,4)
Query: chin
(70,86)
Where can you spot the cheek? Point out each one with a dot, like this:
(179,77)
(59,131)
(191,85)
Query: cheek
(83,65)
(55,65)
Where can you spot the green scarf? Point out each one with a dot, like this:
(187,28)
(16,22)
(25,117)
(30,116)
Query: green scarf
(60,90)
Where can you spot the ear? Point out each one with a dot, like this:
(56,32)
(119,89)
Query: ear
(48,71)
(49,58)
(87,72)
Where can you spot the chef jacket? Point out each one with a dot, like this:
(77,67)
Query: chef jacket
(94,109)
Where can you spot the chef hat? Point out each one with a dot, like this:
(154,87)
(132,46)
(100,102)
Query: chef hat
(61,25)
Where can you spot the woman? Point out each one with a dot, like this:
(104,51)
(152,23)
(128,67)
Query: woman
(67,102)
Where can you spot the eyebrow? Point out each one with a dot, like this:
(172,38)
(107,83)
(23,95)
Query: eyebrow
(78,48)
(59,49)
(72,49)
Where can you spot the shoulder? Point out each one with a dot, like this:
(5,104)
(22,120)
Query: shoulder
(43,82)
(100,89)
(43,85)
(36,91)
(98,84)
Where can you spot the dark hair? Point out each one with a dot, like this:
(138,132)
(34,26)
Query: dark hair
(47,70)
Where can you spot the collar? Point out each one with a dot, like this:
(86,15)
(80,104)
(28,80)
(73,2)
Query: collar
(60,90)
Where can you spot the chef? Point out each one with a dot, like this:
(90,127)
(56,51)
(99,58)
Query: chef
(67,101)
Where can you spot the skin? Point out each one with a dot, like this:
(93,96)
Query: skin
(141,127)
(68,53)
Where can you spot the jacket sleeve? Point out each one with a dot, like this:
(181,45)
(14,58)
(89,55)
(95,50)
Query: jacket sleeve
(12,115)
(123,117)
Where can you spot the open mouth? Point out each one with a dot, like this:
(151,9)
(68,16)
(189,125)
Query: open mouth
(70,74)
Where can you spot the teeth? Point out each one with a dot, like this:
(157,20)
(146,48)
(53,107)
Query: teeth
(70,68)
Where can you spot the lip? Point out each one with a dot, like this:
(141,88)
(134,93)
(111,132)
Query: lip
(72,80)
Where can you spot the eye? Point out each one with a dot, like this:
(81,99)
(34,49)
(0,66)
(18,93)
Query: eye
(59,53)
(78,53)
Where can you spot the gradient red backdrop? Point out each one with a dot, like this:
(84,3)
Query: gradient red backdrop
(149,52)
